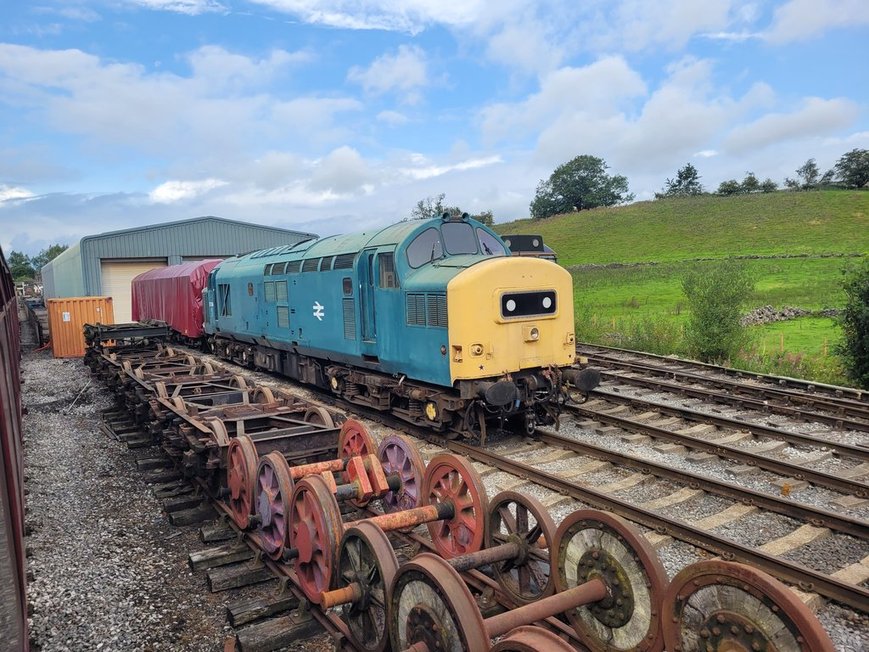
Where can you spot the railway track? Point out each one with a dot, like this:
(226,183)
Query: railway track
(795,389)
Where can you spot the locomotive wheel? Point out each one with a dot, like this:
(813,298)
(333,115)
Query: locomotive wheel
(514,518)
(449,478)
(430,603)
(240,476)
(719,605)
(366,558)
(399,456)
(532,639)
(262,394)
(319,416)
(315,529)
(590,544)
(274,489)
(353,441)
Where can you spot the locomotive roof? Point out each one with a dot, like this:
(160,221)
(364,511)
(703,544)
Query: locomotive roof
(347,243)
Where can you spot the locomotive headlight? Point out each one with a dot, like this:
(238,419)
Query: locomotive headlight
(531,333)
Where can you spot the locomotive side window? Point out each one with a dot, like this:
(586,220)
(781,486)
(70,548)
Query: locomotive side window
(224,297)
(425,248)
(489,245)
(281,291)
(347,286)
(459,238)
(387,271)
(270,290)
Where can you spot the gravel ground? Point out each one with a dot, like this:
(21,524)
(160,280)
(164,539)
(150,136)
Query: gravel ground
(109,572)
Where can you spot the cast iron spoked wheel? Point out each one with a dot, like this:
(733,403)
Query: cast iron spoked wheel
(719,606)
(431,603)
(263,395)
(514,518)
(315,529)
(366,557)
(241,463)
(353,441)
(532,639)
(319,416)
(399,456)
(597,545)
(274,489)
(452,479)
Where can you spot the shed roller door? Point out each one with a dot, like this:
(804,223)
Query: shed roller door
(117,277)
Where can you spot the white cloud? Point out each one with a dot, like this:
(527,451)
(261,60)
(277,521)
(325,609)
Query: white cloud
(422,168)
(392,118)
(816,117)
(706,153)
(342,171)
(803,19)
(13,193)
(224,107)
(395,15)
(189,7)
(405,72)
(171,192)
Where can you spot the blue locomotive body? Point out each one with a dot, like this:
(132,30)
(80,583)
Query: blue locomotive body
(414,318)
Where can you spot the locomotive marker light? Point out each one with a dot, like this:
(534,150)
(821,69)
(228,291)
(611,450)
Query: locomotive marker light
(431,607)
(454,508)
(519,530)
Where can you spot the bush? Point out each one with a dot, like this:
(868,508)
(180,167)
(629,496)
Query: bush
(716,294)
(854,349)
(662,336)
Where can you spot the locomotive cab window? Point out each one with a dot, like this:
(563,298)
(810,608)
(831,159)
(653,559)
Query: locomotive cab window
(387,270)
(459,238)
(425,248)
(489,245)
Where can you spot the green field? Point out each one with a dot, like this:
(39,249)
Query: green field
(795,246)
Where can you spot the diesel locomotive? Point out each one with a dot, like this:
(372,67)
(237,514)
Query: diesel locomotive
(433,321)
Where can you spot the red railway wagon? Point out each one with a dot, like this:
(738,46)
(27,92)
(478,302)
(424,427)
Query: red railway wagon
(13,600)
(174,295)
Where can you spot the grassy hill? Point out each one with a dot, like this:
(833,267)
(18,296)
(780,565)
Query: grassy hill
(628,262)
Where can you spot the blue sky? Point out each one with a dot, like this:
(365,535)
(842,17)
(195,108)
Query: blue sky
(337,115)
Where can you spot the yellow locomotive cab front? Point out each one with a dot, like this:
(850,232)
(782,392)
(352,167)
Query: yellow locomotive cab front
(506,315)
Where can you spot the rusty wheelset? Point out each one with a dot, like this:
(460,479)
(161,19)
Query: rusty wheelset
(718,606)
(454,508)
(608,579)
(518,530)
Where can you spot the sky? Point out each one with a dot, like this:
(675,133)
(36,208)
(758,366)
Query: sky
(336,115)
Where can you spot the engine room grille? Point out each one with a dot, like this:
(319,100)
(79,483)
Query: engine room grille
(349,320)
(427,309)
(344,261)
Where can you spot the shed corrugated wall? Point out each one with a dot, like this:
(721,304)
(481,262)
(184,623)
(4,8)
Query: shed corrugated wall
(63,276)
(203,237)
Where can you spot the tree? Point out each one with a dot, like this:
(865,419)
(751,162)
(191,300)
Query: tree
(750,183)
(47,255)
(579,184)
(809,174)
(729,187)
(486,217)
(768,185)
(686,183)
(20,266)
(716,294)
(853,168)
(428,208)
(828,179)
(854,348)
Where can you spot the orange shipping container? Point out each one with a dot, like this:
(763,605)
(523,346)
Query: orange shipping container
(67,317)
